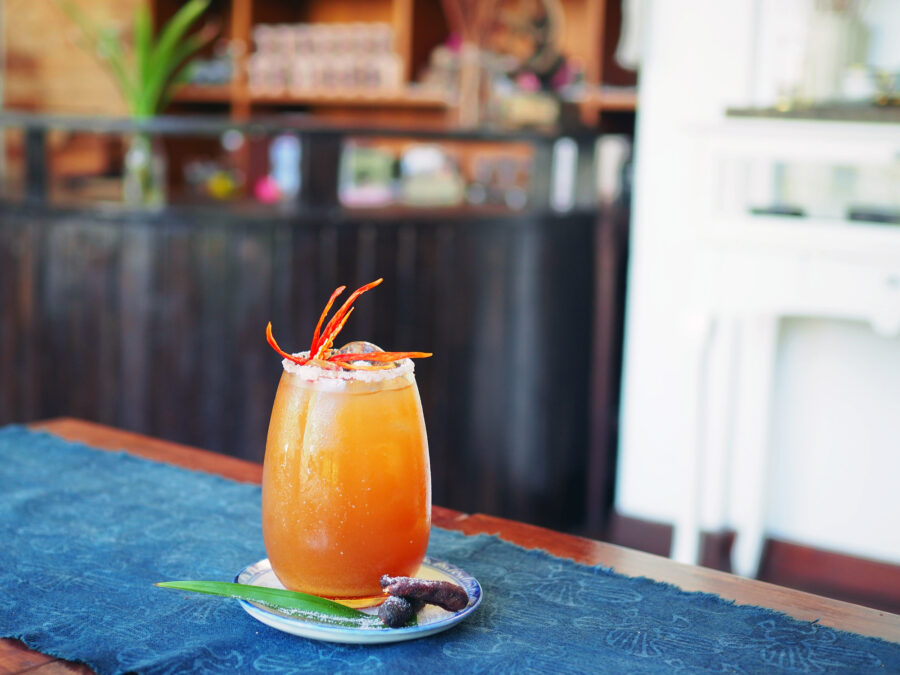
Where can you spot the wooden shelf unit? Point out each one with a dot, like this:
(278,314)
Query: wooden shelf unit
(610,98)
(590,34)
(204,93)
(346,97)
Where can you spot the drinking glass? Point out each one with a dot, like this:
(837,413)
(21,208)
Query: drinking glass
(346,493)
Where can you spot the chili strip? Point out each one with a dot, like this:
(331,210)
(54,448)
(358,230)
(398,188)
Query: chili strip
(271,340)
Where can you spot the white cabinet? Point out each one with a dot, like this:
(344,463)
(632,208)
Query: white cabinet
(756,270)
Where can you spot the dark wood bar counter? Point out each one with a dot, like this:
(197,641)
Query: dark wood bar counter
(154,320)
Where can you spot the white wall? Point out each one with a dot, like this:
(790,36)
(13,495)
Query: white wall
(835,436)
(697,61)
(834,476)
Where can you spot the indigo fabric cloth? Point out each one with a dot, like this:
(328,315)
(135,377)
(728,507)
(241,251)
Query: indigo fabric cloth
(86,533)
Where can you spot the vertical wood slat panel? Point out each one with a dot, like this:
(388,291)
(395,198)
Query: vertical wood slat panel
(173,335)
(400,255)
(81,311)
(134,308)
(489,375)
(389,303)
(566,306)
(527,465)
(166,322)
(373,309)
(27,295)
(10,322)
(16,332)
(253,307)
(104,289)
(214,345)
(304,274)
(55,375)
(443,382)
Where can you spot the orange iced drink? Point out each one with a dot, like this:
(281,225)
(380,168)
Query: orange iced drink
(346,484)
(346,494)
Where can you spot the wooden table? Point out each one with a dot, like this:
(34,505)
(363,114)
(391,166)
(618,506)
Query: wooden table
(16,658)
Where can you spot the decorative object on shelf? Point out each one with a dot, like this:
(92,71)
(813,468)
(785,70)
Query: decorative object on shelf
(145,175)
(266,190)
(218,70)
(366,176)
(499,180)
(147,80)
(836,41)
(504,60)
(218,177)
(430,177)
(470,21)
(886,85)
(526,37)
(441,74)
(882,17)
(285,153)
(817,52)
(335,57)
(282,182)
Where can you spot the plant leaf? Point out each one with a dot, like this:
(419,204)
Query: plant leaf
(179,67)
(149,78)
(180,78)
(307,606)
(143,39)
(165,58)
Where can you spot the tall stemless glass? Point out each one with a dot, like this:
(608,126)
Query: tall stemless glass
(346,491)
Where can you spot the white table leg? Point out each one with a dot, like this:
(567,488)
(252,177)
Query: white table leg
(750,449)
(686,534)
(715,462)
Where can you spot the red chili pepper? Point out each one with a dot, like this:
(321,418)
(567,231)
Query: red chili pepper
(323,340)
(339,315)
(315,341)
(271,340)
(378,356)
(328,338)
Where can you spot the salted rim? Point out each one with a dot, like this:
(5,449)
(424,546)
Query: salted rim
(313,373)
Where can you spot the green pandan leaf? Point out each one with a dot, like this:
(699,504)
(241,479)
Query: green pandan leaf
(301,605)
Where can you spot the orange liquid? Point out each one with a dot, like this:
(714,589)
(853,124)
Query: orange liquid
(346,491)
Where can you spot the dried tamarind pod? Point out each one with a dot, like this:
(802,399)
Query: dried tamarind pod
(396,612)
(441,593)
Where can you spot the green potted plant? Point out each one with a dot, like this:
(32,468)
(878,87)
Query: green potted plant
(147,79)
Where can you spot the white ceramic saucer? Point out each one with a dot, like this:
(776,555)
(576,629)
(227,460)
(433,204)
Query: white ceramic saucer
(431,619)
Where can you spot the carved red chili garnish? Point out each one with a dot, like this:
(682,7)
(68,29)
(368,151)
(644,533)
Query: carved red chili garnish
(320,350)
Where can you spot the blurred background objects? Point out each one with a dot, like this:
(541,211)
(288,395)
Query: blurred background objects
(664,309)
(763,302)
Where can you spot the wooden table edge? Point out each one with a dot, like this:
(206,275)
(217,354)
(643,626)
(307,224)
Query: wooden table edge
(800,605)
